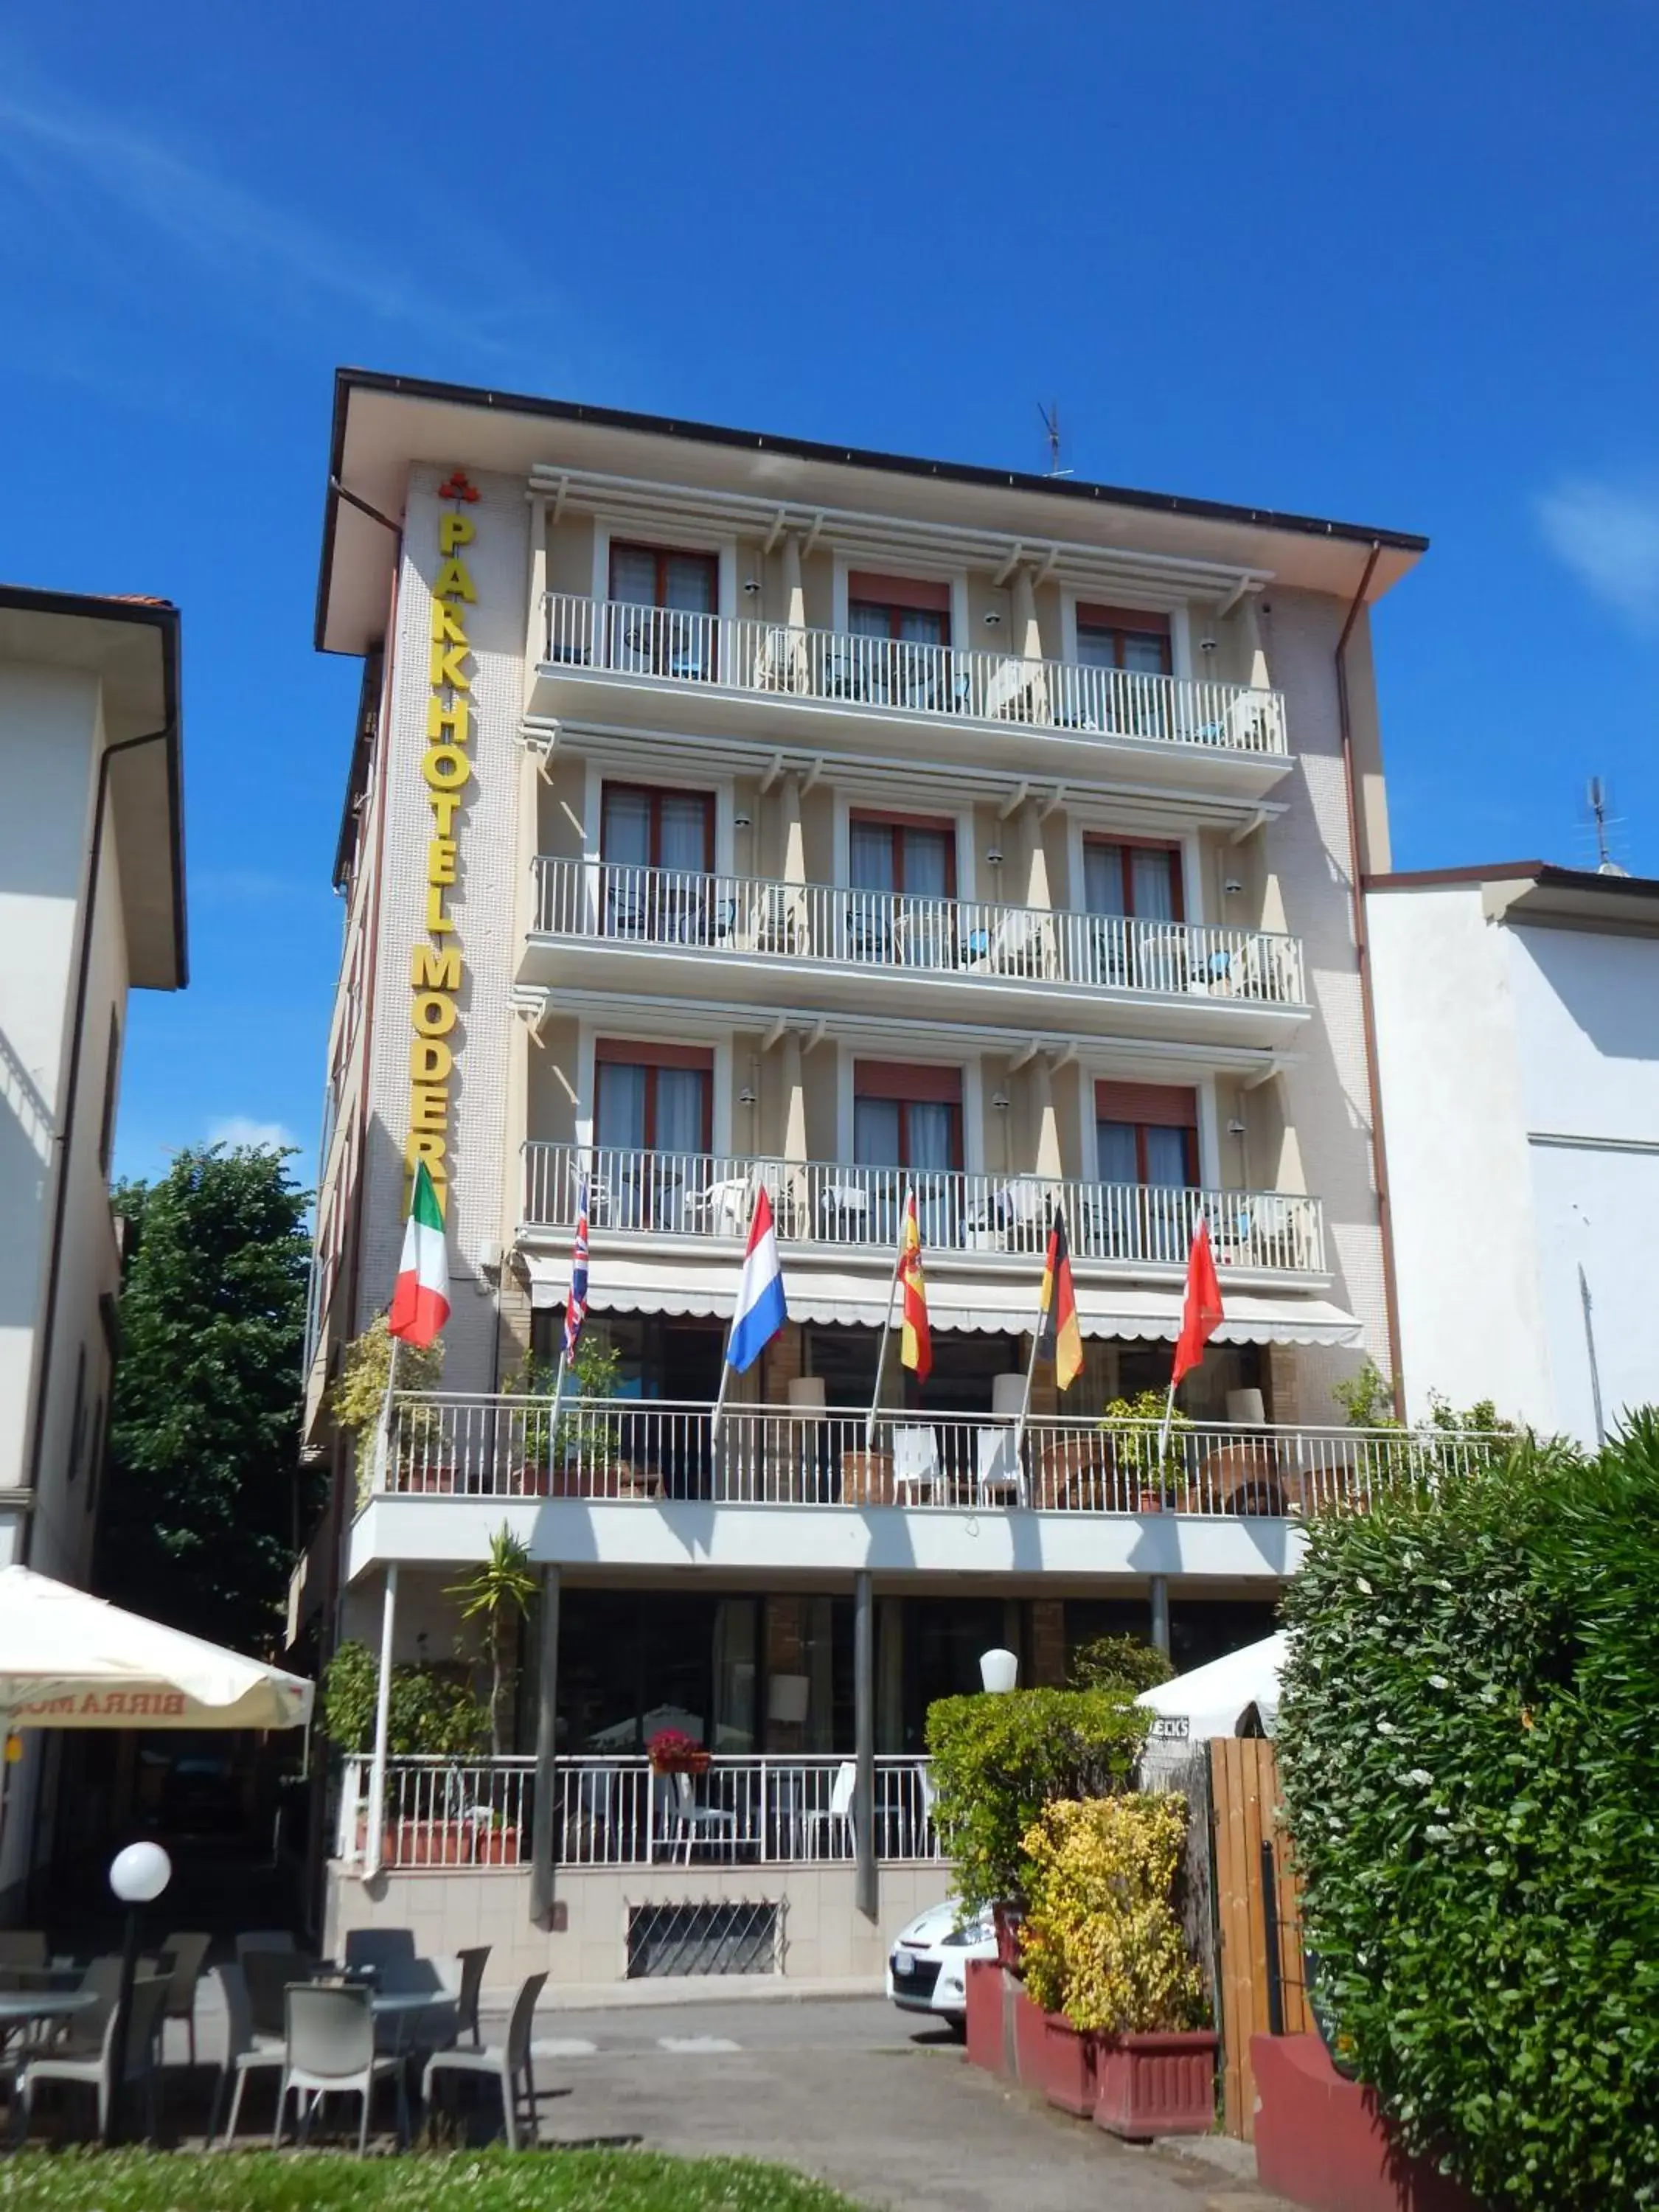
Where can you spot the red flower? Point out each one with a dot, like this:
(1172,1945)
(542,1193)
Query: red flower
(457,486)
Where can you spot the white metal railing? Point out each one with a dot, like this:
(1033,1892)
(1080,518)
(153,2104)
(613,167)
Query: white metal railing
(506,1446)
(709,1195)
(678,907)
(901,677)
(611,1810)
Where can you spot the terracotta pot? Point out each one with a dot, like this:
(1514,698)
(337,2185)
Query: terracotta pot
(1152,1501)
(1156,2085)
(1008,1919)
(496,1847)
(427,1843)
(534,1481)
(426,1480)
(682,1762)
(1070,2059)
(988,2041)
(867,1479)
(1030,2041)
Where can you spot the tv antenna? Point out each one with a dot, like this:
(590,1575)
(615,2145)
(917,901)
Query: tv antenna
(1596,794)
(1051,431)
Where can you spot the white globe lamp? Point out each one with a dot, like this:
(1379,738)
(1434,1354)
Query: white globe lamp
(138,1876)
(999,1670)
(139,1873)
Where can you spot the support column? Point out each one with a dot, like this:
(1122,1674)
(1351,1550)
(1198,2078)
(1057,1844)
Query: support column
(547,1713)
(382,1728)
(1159,1592)
(1037,859)
(1027,637)
(794,612)
(798,1220)
(1249,623)
(863,1729)
(794,843)
(1048,1162)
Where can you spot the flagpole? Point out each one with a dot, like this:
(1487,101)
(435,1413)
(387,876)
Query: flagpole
(383,1441)
(1025,1403)
(1164,1434)
(887,1331)
(720,1397)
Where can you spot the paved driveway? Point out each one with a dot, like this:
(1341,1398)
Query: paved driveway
(882,2106)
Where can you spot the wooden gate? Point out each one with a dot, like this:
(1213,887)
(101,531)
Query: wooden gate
(1250,1930)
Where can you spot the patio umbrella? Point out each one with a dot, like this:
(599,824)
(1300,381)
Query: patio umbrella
(71,1661)
(1214,1700)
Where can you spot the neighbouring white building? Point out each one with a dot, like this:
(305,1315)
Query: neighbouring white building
(1517,1018)
(91,907)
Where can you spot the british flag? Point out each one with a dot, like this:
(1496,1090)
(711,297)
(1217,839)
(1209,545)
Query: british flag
(575,1308)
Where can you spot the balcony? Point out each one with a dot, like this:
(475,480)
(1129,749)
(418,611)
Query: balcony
(699,1200)
(817,686)
(615,927)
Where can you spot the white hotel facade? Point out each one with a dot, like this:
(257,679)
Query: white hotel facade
(727,809)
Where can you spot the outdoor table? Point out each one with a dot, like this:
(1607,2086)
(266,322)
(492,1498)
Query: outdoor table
(20,2009)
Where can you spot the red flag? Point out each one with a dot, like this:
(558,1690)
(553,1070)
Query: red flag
(1200,1313)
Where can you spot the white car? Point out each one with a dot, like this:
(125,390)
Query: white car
(927,1965)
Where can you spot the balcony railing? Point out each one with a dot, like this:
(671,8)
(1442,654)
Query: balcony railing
(610,1810)
(897,676)
(504,1446)
(703,1196)
(894,931)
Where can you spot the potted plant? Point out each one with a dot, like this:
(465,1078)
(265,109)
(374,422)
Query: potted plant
(1135,1427)
(558,1458)
(500,1594)
(417,1454)
(432,1713)
(671,1751)
(1105,1958)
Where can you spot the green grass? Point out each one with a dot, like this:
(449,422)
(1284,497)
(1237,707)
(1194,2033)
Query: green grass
(490,2181)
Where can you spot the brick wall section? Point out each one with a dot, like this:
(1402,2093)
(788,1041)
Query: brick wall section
(1327,1095)
(781,1364)
(484,904)
(1048,1643)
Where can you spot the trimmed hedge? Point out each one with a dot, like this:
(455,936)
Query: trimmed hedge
(1469,1750)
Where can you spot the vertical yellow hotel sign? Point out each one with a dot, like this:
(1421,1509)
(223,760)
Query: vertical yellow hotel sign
(435,966)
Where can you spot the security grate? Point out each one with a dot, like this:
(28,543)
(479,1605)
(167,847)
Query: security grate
(737,1935)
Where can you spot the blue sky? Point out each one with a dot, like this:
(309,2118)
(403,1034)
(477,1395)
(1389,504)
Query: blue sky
(1393,266)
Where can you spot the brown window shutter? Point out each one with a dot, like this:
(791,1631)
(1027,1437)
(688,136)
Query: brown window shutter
(1153,1105)
(900,1079)
(1141,620)
(638,1052)
(899,591)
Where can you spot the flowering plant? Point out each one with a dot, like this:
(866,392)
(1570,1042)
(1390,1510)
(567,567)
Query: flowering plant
(1101,1941)
(671,1751)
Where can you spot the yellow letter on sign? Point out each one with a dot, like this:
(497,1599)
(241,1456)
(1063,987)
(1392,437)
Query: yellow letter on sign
(454,530)
(454,581)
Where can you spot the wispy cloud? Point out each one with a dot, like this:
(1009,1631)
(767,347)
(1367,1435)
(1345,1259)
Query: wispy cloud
(239,1130)
(1607,533)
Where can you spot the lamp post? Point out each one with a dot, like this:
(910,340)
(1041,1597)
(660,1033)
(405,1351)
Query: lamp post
(138,1876)
(999,1670)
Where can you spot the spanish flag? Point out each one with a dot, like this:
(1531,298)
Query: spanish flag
(916,1344)
(1059,1337)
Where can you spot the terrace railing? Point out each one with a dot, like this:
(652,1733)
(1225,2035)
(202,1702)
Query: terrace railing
(507,1446)
(610,1810)
(896,676)
(679,908)
(704,1195)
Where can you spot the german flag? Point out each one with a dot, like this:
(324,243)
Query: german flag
(916,1343)
(1059,1337)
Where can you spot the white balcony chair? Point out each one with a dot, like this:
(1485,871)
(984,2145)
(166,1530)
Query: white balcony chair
(331,2052)
(1000,1480)
(725,1205)
(68,2062)
(846,1210)
(915,1465)
(835,1819)
(510,2067)
(246,2050)
(685,1819)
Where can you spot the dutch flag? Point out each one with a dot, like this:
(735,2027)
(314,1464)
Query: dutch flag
(761,1310)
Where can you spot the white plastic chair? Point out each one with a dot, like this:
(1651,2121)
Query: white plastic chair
(835,1819)
(264,1939)
(1001,1480)
(509,2066)
(188,1953)
(915,1464)
(684,1818)
(245,2049)
(97,2071)
(330,2051)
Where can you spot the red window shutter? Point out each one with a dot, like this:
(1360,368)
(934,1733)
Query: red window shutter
(1140,620)
(898,591)
(898,1079)
(1153,1105)
(639,1052)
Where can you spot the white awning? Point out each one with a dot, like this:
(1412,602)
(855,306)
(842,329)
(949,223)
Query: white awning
(1004,1305)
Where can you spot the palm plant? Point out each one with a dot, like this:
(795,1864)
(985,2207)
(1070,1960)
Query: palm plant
(499,1594)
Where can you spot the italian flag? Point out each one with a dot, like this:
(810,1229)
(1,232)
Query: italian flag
(420,1305)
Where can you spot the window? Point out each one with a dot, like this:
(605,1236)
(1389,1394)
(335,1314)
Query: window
(907,609)
(664,605)
(1131,877)
(112,1073)
(1147,1132)
(902,853)
(658,576)
(1123,637)
(654,1098)
(642,827)
(906,1117)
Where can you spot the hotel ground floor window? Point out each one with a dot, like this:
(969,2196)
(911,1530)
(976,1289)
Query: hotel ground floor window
(634,1662)
(1202,1629)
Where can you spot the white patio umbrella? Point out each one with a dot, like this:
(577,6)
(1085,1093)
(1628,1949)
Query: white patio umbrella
(1214,1700)
(71,1661)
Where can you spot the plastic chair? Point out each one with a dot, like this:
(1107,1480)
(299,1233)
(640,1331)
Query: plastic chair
(1001,1480)
(915,1463)
(837,1817)
(188,1951)
(268,1975)
(686,1817)
(508,2066)
(382,1951)
(472,1964)
(24,1947)
(264,1939)
(330,2051)
(58,2063)
(246,2050)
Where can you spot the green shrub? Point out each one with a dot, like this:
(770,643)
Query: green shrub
(1101,1941)
(999,1760)
(1119,1662)
(431,1714)
(1470,1748)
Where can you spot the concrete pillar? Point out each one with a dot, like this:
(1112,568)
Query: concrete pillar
(794,843)
(382,1728)
(866,1890)
(1028,636)
(794,592)
(1159,1592)
(1255,657)
(797,1206)
(547,1712)
(1036,860)
(1048,1162)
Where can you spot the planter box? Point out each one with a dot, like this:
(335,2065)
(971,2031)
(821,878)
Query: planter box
(1156,2085)
(988,2032)
(867,1479)
(1030,2041)
(496,1847)
(1320,2141)
(427,1843)
(1070,2060)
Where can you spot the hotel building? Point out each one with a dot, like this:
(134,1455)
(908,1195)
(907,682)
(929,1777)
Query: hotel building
(728,812)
